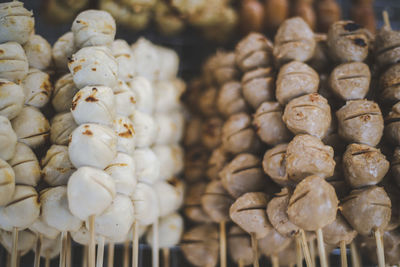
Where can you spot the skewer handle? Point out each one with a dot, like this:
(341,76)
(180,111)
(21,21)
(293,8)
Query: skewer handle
(312,251)
(354,255)
(135,245)
(166,256)
(299,254)
(92,243)
(126,254)
(254,246)
(100,252)
(275,260)
(47,262)
(110,262)
(379,248)
(68,254)
(63,249)
(14,252)
(222,243)
(155,247)
(38,250)
(321,249)
(306,251)
(343,253)
(241,263)
(85,256)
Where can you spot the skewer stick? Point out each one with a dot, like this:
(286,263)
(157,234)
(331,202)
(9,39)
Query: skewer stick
(85,256)
(321,249)
(343,253)
(354,255)
(240,263)
(92,243)
(299,255)
(254,246)
(386,20)
(222,243)
(135,245)
(63,249)
(125,261)
(14,251)
(47,262)
(38,250)
(155,247)
(68,254)
(275,260)
(166,256)
(379,248)
(306,251)
(312,251)
(100,252)
(110,262)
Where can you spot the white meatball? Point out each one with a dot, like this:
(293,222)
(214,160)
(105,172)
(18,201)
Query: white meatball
(62,125)
(126,135)
(90,192)
(12,99)
(92,145)
(145,202)
(64,91)
(57,168)
(63,49)
(93,27)
(116,220)
(94,66)
(8,139)
(171,160)
(147,165)
(170,127)
(146,58)
(13,62)
(16,22)
(23,209)
(7,183)
(40,227)
(37,88)
(94,104)
(122,170)
(169,63)
(170,229)
(55,210)
(25,165)
(144,94)
(122,53)
(26,241)
(170,195)
(145,128)
(167,96)
(31,126)
(125,101)
(38,52)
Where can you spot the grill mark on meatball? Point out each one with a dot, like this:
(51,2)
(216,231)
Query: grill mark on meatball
(302,195)
(35,135)
(241,130)
(361,152)
(22,162)
(389,121)
(363,114)
(245,169)
(20,199)
(352,77)
(381,205)
(386,49)
(259,207)
(266,112)
(190,241)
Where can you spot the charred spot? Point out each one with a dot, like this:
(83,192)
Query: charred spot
(132,100)
(3,83)
(360,42)
(1,51)
(88,132)
(78,21)
(173,181)
(70,60)
(91,99)
(365,117)
(126,134)
(94,89)
(77,68)
(86,126)
(94,69)
(46,87)
(314,97)
(351,26)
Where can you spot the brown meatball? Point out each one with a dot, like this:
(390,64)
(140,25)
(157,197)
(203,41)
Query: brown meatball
(328,12)
(305,10)
(348,41)
(253,51)
(273,243)
(313,204)
(367,209)
(216,202)
(269,124)
(192,131)
(275,12)
(200,245)
(390,84)
(211,132)
(230,99)
(364,14)
(225,68)
(337,231)
(294,40)
(251,16)
(395,165)
(309,114)
(350,81)
(258,86)
(307,155)
(277,214)
(248,211)
(392,125)
(243,174)
(192,206)
(274,164)
(360,121)
(218,159)
(196,159)
(238,136)
(387,49)
(239,246)
(364,165)
(207,102)
(295,79)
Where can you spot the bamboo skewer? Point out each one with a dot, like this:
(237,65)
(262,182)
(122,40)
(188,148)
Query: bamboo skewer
(166,257)
(110,262)
(125,262)
(47,262)
(321,249)
(343,253)
(14,251)
(38,250)
(92,243)
(100,252)
(85,256)
(312,251)
(135,245)
(68,252)
(155,247)
(275,260)
(379,248)
(63,249)
(354,255)
(254,246)
(299,255)
(305,249)
(241,263)
(222,243)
